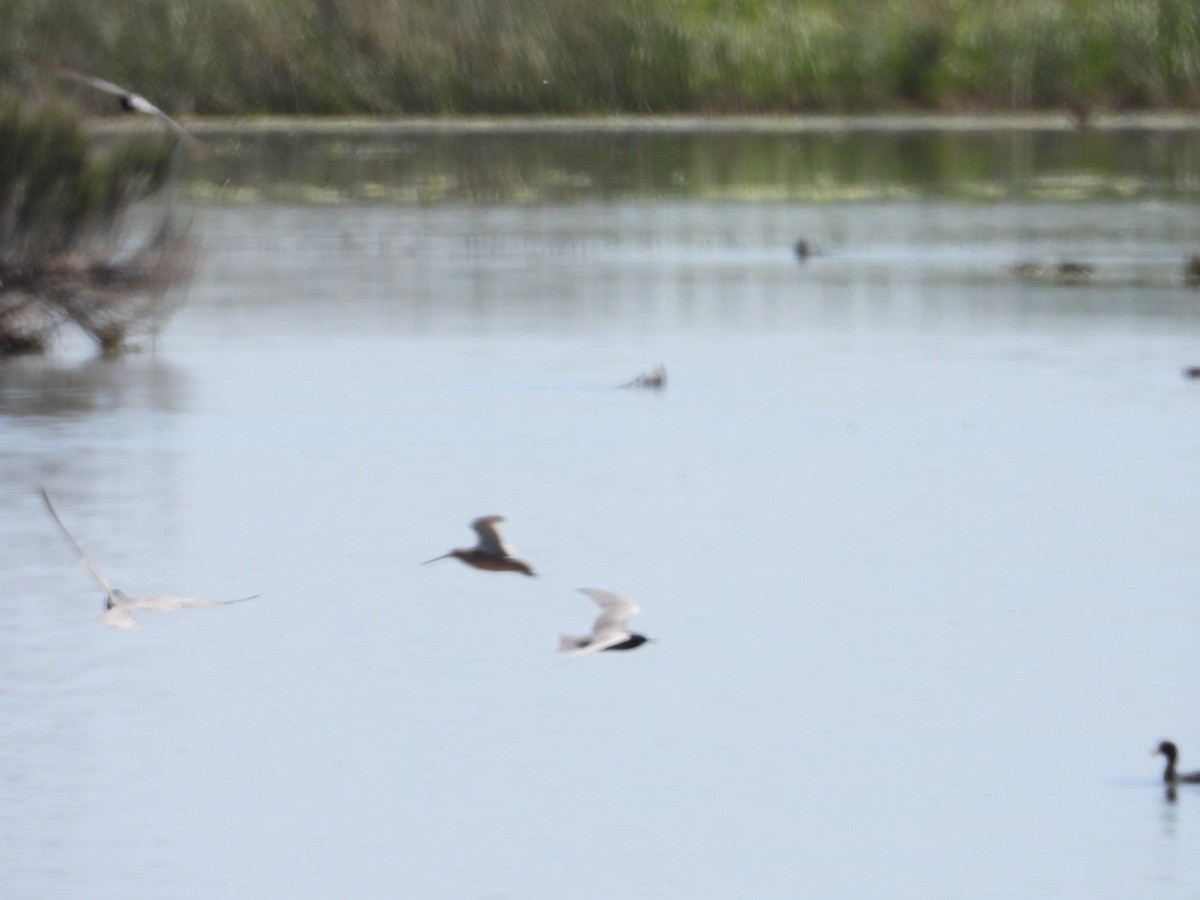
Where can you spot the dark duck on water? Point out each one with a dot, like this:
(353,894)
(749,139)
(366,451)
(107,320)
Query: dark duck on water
(1170,775)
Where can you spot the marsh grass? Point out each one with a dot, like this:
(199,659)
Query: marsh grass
(595,56)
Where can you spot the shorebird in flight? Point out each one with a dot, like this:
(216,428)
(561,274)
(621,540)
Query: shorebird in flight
(117,605)
(131,102)
(492,553)
(611,630)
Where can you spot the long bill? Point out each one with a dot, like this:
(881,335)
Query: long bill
(436,558)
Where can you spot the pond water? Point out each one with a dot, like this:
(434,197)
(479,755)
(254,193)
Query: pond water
(915,536)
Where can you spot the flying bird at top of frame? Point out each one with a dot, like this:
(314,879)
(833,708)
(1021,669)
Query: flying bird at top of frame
(131,102)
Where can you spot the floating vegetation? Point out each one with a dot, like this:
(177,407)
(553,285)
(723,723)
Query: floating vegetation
(561,161)
(1067,272)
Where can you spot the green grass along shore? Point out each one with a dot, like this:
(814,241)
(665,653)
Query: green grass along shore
(595,57)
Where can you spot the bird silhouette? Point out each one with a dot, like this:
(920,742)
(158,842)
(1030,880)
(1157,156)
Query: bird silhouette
(492,553)
(131,102)
(611,629)
(1170,776)
(118,605)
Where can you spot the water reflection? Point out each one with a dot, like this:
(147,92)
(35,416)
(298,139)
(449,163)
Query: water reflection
(654,265)
(893,473)
(48,387)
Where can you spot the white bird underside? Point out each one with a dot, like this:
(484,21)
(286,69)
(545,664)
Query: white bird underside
(595,646)
(119,617)
(490,539)
(610,628)
(119,605)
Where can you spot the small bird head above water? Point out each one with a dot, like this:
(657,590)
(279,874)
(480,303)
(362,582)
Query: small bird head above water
(1167,749)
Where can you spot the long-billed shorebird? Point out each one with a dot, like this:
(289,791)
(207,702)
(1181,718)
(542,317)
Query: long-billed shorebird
(611,630)
(491,553)
(117,605)
(131,102)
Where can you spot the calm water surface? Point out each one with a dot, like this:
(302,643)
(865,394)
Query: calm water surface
(917,540)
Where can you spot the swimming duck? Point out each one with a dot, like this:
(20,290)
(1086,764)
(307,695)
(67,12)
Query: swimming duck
(1170,776)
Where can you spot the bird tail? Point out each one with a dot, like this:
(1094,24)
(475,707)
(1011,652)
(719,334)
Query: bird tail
(568,642)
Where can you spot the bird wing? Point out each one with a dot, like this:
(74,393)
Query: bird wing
(168,603)
(490,541)
(616,611)
(136,102)
(90,80)
(118,617)
(83,557)
(141,104)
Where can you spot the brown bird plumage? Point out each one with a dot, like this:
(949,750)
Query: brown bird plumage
(492,553)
